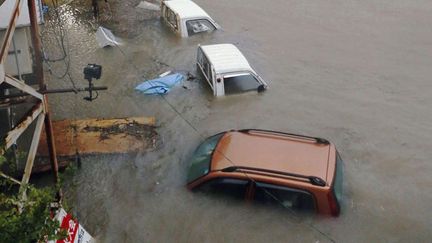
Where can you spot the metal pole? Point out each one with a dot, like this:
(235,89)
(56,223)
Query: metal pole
(50,141)
(55,91)
(37,49)
(37,45)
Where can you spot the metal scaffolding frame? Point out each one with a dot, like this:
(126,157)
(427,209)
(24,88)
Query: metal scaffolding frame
(39,112)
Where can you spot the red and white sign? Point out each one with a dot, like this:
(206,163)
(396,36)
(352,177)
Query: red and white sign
(76,233)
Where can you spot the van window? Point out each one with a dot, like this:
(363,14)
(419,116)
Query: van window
(284,196)
(198,26)
(233,188)
(206,68)
(234,84)
(171,18)
(200,56)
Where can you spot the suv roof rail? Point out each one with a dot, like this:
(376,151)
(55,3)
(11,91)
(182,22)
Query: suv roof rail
(317,139)
(314,180)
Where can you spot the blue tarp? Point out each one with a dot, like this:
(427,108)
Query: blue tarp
(160,85)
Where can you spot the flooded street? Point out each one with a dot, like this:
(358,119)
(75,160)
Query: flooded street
(355,72)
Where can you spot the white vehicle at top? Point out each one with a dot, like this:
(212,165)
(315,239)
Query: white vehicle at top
(227,71)
(186,18)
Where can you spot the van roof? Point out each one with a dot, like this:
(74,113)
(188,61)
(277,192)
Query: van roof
(226,58)
(273,151)
(186,9)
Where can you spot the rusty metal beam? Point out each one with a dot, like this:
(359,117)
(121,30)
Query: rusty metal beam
(33,149)
(7,103)
(10,32)
(37,44)
(14,134)
(37,48)
(23,87)
(51,142)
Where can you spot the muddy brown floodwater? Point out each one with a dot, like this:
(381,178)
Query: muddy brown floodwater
(357,72)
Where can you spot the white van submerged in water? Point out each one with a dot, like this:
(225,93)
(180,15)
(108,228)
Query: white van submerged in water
(227,71)
(186,18)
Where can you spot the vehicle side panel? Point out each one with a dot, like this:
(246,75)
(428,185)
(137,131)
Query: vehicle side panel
(319,193)
(202,61)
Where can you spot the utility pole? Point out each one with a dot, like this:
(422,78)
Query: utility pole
(37,50)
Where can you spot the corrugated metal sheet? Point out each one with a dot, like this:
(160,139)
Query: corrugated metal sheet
(24,19)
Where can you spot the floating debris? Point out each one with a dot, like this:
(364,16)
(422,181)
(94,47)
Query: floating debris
(105,37)
(164,74)
(148,6)
(160,85)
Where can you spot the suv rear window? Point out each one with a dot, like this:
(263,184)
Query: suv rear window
(284,196)
(200,162)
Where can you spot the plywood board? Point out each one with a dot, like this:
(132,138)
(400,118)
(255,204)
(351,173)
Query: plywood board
(101,136)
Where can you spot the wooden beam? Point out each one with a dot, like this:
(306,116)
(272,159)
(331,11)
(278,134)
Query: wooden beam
(11,102)
(14,134)
(10,178)
(33,149)
(10,31)
(2,73)
(23,86)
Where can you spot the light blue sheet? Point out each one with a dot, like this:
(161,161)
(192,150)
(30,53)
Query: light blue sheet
(160,85)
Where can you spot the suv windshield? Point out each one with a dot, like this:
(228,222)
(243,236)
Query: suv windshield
(200,162)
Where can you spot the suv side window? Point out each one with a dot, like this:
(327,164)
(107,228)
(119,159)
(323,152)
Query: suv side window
(199,25)
(234,188)
(171,18)
(284,196)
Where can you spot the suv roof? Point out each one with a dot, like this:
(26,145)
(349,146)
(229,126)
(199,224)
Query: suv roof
(268,150)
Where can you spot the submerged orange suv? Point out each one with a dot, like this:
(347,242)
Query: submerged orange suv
(294,171)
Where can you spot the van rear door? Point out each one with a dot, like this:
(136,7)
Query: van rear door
(170,18)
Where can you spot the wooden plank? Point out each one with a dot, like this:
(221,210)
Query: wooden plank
(46,167)
(10,178)
(23,87)
(14,134)
(102,136)
(2,73)
(33,149)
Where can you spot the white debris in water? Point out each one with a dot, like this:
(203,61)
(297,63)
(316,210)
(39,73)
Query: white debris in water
(105,37)
(164,74)
(148,6)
